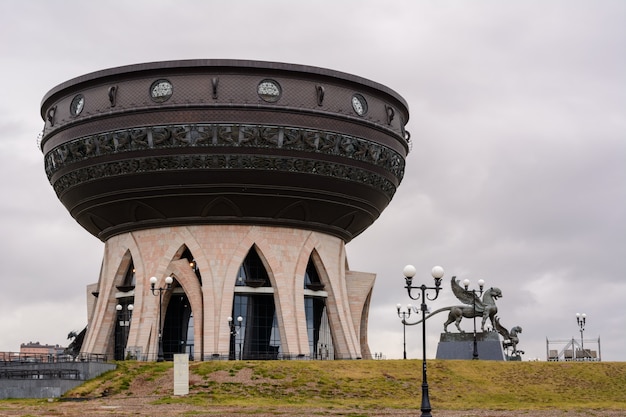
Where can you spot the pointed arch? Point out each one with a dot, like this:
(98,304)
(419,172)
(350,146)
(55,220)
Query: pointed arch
(100,223)
(125,296)
(312,276)
(297,211)
(347,220)
(103,333)
(185,253)
(319,331)
(332,273)
(124,275)
(129,279)
(257,334)
(221,207)
(184,308)
(253,271)
(365,349)
(141,211)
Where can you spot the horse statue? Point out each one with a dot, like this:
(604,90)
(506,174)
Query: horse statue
(475,307)
(511,338)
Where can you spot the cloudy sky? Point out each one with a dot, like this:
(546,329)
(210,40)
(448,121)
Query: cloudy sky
(517,173)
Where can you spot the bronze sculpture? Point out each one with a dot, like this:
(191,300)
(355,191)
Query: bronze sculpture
(474,306)
(511,338)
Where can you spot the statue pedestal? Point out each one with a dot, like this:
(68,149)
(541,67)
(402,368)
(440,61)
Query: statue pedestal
(461,346)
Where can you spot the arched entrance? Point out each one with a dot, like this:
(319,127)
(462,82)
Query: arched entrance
(318,326)
(257,336)
(178,326)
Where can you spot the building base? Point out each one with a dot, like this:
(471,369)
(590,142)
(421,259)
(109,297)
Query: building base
(213,280)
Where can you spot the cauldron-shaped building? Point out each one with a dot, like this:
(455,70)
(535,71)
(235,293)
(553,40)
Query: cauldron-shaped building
(242,181)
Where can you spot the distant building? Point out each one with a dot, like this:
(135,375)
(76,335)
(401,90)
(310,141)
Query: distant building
(37,350)
(239,182)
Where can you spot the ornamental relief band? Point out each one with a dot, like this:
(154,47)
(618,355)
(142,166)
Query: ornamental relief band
(219,135)
(237,161)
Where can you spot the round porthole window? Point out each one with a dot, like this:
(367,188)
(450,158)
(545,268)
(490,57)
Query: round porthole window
(359,105)
(269,90)
(77,105)
(161,90)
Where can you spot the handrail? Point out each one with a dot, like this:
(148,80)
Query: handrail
(19,358)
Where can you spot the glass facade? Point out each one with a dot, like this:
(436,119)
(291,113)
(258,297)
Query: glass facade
(122,327)
(254,330)
(178,324)
(317,324)
(124,313)
(178,327)
(257,335)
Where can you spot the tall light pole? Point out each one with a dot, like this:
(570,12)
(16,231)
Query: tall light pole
(481,285)
(154,289)
(581,320)
(404,314)
(437,272)
(234,331)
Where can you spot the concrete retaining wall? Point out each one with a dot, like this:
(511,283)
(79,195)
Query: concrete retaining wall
(36,387)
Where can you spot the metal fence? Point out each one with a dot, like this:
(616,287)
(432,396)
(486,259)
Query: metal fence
(17,358)
(39,374)
(223,356)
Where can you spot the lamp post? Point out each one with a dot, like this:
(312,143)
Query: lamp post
(234,331)
(581,320)
(481,284)
(404,314)
(437,272)
(124,325)
(154,289)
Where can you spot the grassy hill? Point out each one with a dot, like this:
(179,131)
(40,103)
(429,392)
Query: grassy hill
(453,385)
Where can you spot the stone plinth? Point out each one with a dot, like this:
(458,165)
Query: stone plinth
(461,346)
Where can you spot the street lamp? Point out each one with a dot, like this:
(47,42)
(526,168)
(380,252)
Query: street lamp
(124,325)
(168,285)
(234,331)
(437,272)
(581,319)
(404,314)
(481,284)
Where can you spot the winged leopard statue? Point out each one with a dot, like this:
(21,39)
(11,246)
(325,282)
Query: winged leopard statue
(473,306)
(511,338)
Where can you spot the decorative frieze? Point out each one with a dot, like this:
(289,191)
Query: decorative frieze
(194,136)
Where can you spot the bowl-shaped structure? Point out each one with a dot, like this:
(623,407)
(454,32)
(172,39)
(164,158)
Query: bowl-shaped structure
(224,142)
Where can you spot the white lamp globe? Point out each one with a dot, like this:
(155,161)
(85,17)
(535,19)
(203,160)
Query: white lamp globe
(437,272)
(409,271)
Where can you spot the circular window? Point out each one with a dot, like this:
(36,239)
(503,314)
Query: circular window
(269,90)
(161,90)
(359,104)
(77,105)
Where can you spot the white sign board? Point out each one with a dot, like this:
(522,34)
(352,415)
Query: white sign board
(181,374)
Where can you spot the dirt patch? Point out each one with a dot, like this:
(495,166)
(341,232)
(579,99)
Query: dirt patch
(244,376)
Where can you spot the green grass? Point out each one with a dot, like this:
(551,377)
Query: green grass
(367,385)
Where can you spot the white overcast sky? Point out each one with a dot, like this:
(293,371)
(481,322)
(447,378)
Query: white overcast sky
(517,173)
